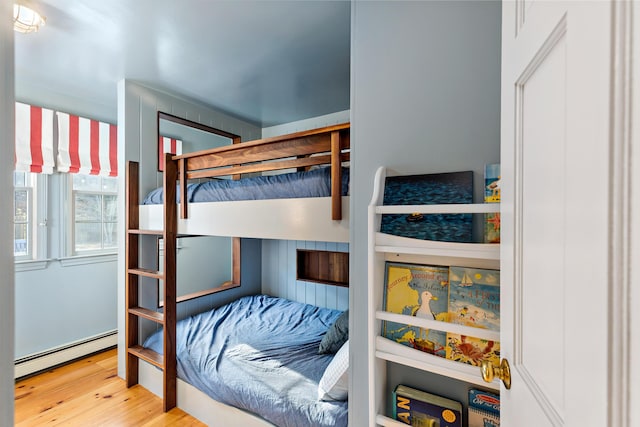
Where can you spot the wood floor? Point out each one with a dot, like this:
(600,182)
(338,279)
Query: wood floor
(89,393)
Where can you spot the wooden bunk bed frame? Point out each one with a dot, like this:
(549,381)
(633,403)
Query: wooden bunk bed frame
(301,150)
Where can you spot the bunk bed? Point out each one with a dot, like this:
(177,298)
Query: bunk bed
(321,217)
(261,354)
(318,153)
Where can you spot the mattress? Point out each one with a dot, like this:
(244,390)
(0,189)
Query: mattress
(313,183)
(260,354)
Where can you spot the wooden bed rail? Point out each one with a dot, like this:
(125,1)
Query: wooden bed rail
(324,146)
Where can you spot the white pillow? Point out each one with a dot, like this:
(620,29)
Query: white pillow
(334,384)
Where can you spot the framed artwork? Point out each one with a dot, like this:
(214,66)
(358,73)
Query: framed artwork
(429,189)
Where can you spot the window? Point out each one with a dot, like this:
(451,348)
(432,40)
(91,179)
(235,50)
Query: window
(94,214)
(24,184)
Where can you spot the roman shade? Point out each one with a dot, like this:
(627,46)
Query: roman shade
(34,139)
(167,145)
(86,146)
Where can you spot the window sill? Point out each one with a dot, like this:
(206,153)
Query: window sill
(87,259)
(29,265)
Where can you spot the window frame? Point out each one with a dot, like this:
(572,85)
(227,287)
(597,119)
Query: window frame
(69,238)
(37,218)
(29,240)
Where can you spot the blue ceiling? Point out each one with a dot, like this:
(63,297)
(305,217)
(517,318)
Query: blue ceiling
(267,62)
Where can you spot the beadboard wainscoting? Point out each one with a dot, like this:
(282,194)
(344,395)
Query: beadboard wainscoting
(279,274)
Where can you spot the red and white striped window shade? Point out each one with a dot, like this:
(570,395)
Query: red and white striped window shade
(87,146)
(34,139)
(167,145)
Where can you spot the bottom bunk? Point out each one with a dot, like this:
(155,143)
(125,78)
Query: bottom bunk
(282,360)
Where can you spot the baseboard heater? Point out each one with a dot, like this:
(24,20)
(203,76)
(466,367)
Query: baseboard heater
(37,362)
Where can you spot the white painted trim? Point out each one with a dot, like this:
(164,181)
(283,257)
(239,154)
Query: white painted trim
(40,361)
(634,236)
(88,259)
(30,265)
(620,222)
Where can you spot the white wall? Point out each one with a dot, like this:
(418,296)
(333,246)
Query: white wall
(6,230)
(425,98)
(137,141)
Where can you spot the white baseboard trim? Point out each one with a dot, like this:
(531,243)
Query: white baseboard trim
(47,359)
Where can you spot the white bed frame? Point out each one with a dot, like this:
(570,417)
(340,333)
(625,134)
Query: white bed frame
(198,404)
(283,219)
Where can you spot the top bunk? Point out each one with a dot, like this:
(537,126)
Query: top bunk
(289,187)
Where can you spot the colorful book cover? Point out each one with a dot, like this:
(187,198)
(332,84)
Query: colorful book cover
(492,195)
(472,350)
(484,409)
(492,183)
(421,409)
(429,189)
(474,300)
(421,291)
(474,297)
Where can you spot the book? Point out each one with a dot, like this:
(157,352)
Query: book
(472,350)
(429,189)
(421,409)
(421,291)
(492,195)
(474,297)
(474,300)
(484,409)
(492,183)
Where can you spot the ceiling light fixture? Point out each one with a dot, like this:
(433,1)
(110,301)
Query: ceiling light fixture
(26,20)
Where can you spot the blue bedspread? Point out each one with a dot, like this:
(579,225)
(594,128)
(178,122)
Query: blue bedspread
(259,353)
(314,183)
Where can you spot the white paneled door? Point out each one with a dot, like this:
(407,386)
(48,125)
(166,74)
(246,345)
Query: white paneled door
(556,100)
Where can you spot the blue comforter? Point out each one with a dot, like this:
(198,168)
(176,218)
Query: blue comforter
(314,183)
(260,353)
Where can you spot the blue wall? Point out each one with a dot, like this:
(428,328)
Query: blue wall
(63,301)
(279,274)
(425,98)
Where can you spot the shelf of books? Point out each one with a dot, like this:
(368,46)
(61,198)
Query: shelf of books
(434,294)
(393,352)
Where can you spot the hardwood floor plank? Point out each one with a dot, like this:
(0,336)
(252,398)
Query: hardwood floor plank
(89,393)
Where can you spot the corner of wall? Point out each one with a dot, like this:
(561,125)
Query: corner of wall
(7,99)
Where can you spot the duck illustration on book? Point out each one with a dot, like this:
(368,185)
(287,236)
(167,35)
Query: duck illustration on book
(424,311)
(420,291)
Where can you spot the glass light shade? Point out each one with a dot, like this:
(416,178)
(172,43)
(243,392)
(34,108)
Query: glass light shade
(26,20)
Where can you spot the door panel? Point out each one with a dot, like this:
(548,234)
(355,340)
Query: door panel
(540,224)
(554,321)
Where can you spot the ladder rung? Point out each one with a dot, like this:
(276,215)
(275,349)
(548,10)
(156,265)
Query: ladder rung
(151,232)
(147,314)
(145,354)
(146,272)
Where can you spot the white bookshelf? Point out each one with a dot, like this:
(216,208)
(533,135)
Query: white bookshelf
(384,247)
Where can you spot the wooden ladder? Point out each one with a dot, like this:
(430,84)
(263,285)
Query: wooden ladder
(166,361)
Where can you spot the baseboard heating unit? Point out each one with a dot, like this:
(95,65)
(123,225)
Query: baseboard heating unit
(37,362)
